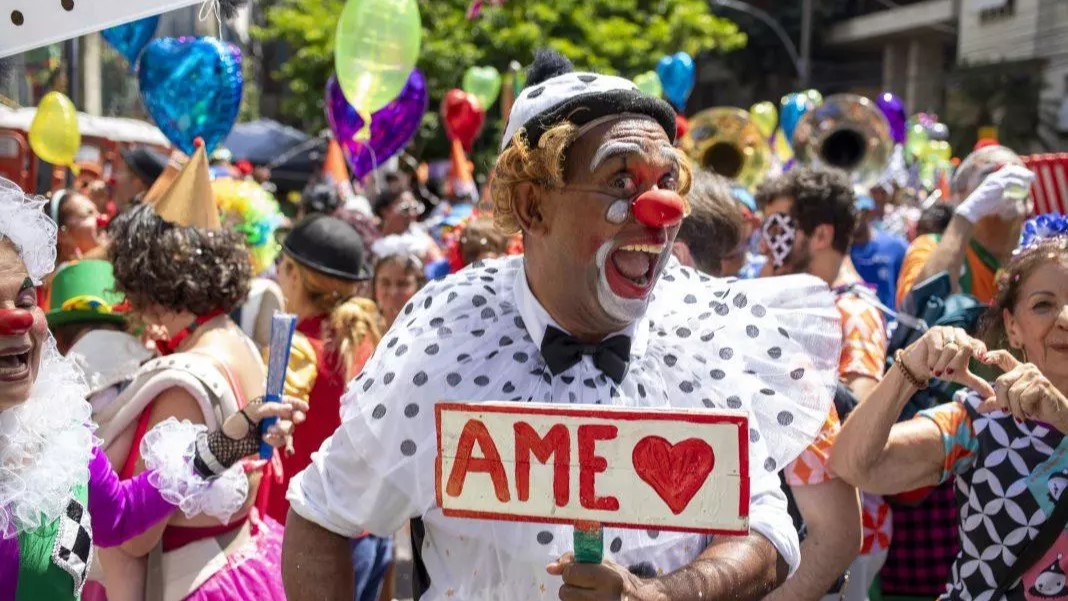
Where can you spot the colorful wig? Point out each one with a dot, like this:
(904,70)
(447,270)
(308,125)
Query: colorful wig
(253,212)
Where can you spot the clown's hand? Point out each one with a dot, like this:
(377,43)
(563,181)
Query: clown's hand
(240,434)
(607,581)
(989,198)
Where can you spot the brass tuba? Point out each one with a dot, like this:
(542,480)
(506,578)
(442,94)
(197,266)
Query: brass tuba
(846,132)
(725,140)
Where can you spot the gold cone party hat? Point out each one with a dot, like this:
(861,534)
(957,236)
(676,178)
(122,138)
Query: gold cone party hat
(189,200)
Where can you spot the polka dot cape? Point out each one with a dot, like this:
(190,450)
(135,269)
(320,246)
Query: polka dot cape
(767,347)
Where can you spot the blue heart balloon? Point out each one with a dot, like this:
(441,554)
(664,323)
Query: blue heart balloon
(794,106)
(192,88)
(677,74)
(130,38)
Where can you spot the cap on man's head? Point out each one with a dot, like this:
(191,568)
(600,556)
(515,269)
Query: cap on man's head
(145,163)
(555,94)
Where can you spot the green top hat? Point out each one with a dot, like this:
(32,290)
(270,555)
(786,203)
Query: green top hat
(84,291)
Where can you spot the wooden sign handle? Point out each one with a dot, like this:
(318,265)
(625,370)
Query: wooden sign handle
(589,542)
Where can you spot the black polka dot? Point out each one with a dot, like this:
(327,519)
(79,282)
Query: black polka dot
(769,464)
(689,299)
(408,309)
(488,313)
(429,301)
(784,333)
(453,379)
(408,448)
(617,544)
(481,380)
(798,373)
(444,331)
(668,277)
(775,352)
(68,5)
(614,393)
(437,322)
(535,92)
(589,383)
(420,378)
(726,353)
(508,388)
(504,341)
(411,410)
(670,360)
(379,411)
(586,78)
(492,355)
(767,392)
(571,398)
(432,349)
(402,349)
(567,379)
(545,375)
(545,537)
(478,333)
(519,322)
(752,331)
(683,332)
(785,418)
(708,337)
(462,358)
(388,378)
(452,297)
(754,435)
(392,343)
(759,311)
(653,533)
(708,403)
(740,301)
(486,278)
(368,383)
(717,374)
(721,309)
(641,391)
(734,402)
(521,357)
(686,386)
(17,19)
(478,300)
(705,315)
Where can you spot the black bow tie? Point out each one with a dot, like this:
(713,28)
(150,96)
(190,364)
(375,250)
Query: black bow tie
(562,350)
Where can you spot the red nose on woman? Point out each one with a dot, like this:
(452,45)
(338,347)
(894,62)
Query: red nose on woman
(658,208)
(14,322)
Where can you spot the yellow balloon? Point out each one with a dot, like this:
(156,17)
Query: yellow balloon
(54,134)
(940,150)
(765,116)
(376,49)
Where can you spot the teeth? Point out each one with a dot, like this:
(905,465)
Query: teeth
(655,249)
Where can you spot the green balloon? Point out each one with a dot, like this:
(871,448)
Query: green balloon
(649,83)
(376,49)
(483,83)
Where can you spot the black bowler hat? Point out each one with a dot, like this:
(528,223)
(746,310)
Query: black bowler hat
(329,245)
(145,163)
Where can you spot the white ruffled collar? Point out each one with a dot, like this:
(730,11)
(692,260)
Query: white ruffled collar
(45,446)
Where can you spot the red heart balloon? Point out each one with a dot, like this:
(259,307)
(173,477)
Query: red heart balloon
(463,116)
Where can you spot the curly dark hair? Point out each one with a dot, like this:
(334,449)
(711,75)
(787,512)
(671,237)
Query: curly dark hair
(821,196)
(176,267)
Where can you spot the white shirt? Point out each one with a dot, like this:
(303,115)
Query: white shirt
(475,336)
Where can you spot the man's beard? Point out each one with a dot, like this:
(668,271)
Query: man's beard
(799,260)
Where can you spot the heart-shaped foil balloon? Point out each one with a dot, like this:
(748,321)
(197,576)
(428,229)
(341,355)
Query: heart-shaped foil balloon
(130,38)
(649,83)
(192,88)
(483,83)
(677,75)
(392,126)
(463,116)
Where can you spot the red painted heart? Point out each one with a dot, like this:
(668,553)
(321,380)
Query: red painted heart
(676,472)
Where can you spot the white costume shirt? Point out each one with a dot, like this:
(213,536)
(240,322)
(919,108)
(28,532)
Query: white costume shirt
(475,336)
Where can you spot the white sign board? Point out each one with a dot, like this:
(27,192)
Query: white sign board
(669,470)
(28,24)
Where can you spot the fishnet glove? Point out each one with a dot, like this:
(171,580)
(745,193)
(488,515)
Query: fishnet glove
(216,452)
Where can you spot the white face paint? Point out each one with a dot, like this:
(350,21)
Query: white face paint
(618,212)
(623,309)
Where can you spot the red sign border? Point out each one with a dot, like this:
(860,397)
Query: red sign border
(625,414)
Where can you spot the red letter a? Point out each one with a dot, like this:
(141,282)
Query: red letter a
(490,462)
(556,441)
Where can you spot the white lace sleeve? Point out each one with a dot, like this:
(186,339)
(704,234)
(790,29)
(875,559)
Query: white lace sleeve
(168,451)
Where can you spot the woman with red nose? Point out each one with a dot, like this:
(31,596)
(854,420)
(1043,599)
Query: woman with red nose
(58,493)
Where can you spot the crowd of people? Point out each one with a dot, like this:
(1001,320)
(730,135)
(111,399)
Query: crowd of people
(904,367)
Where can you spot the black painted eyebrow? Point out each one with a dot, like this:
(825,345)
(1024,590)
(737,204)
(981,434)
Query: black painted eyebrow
(26,284)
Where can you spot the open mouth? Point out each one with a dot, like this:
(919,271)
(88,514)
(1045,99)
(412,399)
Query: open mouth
(631,268)
(14,364)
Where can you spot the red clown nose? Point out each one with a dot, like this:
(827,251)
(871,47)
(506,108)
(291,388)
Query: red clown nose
(658,208)
(14,322)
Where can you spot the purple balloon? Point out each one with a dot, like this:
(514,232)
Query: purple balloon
(894,110)
(392,126)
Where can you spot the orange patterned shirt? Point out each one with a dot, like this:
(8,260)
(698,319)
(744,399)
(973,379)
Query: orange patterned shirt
(864,338)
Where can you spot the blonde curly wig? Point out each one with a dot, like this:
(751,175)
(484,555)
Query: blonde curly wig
(544,166)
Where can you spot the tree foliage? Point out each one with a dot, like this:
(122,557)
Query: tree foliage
(624,37)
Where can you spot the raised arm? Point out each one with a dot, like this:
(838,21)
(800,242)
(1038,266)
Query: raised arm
(948,256)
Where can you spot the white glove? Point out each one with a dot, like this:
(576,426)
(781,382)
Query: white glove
(1002,193)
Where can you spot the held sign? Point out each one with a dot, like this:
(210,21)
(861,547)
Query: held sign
(669,470)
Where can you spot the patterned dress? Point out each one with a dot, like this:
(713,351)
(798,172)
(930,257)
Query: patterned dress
(1009,477)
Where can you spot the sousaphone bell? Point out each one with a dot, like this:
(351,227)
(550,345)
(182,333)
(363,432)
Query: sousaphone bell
(846,132)
(725,140)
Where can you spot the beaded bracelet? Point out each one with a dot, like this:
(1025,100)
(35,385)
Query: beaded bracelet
(899,361)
